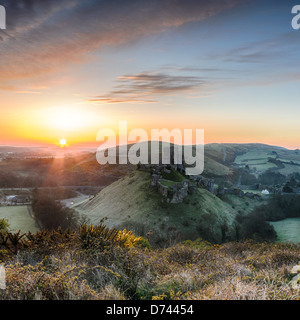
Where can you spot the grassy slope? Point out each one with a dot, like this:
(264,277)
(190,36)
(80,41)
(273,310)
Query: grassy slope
(212,167)
(130,200)
(18,218)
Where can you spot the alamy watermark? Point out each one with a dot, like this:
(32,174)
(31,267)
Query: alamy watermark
(296,18)
(2,17)
(2,278)
(163,147)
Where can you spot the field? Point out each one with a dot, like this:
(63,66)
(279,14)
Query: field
(288,230)
(289,169)
(18,218)
(256,159)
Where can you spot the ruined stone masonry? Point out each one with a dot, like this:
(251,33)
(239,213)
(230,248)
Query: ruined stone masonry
(177,191)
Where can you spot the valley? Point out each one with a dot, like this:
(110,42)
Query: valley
(236,180)
(151,232)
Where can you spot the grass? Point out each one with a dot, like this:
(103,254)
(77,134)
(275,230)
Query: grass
(173,176)
(256,159)
(289,169)
(167,183)
(287,229)
(138,207)
(253,155)
(18,218)
(244,206)
(192,271)
(287,160)
(214,168)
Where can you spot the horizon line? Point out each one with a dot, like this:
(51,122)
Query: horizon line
(95,145)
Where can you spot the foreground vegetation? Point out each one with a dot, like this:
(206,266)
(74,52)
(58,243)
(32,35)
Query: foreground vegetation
(99,263)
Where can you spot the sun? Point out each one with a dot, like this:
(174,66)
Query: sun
(63,142)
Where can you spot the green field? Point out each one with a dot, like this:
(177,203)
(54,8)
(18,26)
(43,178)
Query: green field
(18,218)
(253,155)
(288,230)
(287,160)
(289,169)
(256,159)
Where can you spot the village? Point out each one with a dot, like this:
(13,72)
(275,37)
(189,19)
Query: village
(15,197)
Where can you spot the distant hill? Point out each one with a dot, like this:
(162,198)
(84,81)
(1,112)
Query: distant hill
(258,157)
(220,159)
(131,202)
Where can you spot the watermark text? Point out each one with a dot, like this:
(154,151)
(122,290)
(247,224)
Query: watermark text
(163,147)
(2,18)
(2,278)
(296,18)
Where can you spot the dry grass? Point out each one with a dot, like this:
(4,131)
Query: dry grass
(194,271)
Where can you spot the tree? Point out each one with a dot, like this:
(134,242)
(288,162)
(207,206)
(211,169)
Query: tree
(52,215)
(254,226)
(206,227)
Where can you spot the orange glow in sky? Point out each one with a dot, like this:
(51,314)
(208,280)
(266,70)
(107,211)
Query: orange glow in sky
(202,65)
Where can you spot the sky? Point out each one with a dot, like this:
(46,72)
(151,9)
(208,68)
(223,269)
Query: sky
(70,68)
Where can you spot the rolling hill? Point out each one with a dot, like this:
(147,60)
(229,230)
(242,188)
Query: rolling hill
(259,158)
(131,202)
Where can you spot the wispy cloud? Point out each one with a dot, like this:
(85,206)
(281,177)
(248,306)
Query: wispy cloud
(148,86)
(43,37)
(263,51)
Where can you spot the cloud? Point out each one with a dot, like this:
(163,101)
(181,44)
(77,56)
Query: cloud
(43,37)
(253,54)
(144,86)
(24,15)
(17,90)
(263,51)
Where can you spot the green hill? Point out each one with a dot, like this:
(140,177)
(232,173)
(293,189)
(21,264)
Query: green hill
(255,156)
(131,202)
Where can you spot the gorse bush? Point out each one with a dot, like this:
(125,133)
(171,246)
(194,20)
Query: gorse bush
(98,237)
(101,237)
(3,225)
(95,262)
(87,237)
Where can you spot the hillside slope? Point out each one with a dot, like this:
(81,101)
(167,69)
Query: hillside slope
(131,202)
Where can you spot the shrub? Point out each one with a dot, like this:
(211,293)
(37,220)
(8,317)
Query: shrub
(3,225)
(101,237)
(206,227)
(52,215)
(54,265)
(181,254)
